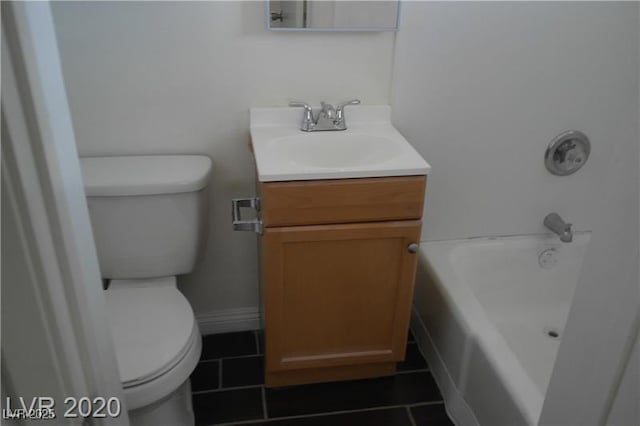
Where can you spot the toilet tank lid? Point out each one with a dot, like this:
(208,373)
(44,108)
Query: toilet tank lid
(144,174)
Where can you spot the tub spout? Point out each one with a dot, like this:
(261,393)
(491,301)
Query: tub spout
(554,222)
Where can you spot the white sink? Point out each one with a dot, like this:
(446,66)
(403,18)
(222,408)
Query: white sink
(333,151)
(370,147)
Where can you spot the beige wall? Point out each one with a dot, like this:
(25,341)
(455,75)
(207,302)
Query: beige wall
(180,78)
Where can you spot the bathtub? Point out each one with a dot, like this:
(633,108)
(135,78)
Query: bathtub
(489,314)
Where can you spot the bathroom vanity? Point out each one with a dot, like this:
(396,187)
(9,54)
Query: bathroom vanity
(337,247)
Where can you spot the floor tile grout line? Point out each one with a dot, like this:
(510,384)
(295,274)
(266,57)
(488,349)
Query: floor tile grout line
(260,353)
(230,357)
(264,403)
(237,357)
(411,419)
(420,370)
(426,403)
(225,389)
(327,413)
(231,388)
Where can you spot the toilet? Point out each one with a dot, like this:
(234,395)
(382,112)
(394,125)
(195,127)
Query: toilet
(148,215)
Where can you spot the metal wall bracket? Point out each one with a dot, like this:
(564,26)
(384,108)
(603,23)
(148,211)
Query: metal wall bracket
(253,225)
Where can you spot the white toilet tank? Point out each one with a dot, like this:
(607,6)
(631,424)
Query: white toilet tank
(148,213)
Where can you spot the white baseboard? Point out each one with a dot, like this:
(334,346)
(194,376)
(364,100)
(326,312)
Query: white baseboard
(228,320)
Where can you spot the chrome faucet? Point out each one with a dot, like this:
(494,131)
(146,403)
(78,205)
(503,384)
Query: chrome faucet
(554,222)
(329,118)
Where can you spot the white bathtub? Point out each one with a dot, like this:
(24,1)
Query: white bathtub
(485,314)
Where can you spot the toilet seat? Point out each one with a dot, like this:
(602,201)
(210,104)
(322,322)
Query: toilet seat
(156,337)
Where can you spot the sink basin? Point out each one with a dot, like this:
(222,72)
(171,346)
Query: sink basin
(324,150)
(370,147)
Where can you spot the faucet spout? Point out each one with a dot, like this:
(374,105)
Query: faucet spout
(326,116)
(555,224)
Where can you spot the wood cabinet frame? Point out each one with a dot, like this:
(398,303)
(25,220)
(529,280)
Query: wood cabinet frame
(315,277)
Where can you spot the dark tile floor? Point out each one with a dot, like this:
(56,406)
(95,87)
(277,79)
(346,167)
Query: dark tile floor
(228,389)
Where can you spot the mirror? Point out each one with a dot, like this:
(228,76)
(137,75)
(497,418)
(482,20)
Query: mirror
(333,15)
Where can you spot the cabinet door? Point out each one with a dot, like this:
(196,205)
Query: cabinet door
(337,295)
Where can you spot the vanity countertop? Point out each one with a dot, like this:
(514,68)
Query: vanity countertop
(370,147)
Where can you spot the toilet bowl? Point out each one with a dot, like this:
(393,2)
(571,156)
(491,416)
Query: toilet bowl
(157,344)
(148,215)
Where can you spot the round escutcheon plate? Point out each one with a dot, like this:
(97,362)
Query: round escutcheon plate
(567,153)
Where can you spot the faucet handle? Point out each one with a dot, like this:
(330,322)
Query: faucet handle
(341,105)
(340,111)
(307,117)
(300,104)
(340,108)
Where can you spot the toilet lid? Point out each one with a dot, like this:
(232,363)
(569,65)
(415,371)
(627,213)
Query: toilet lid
(152,327)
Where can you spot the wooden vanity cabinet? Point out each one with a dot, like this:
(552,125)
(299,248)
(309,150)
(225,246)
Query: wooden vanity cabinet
(337,276)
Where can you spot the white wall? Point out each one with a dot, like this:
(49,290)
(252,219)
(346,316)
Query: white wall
(480,89)
(625,410)
(180,77)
